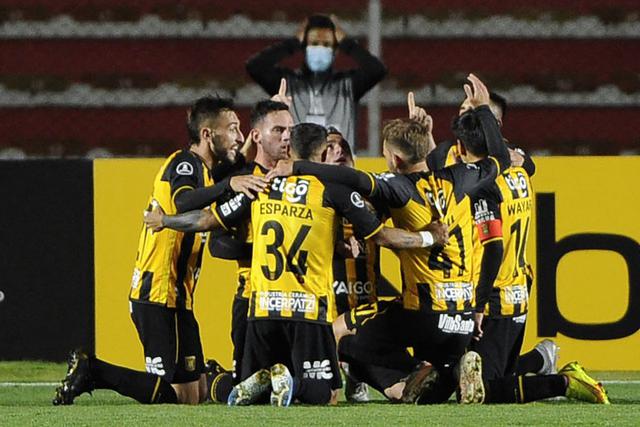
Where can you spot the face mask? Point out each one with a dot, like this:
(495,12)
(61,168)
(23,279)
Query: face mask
(319,58)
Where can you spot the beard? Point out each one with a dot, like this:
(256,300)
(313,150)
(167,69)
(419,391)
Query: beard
(225,155)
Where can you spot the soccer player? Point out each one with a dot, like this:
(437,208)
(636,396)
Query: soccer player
(541,359)
(502,214)
(166,271)
(438,293)
(271,125)
(291,305)
(356,264)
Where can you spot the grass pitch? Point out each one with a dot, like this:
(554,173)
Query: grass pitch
(25,399)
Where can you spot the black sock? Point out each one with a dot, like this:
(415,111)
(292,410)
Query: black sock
(523,389)
(530,363)
(220,386)
(313,392)
(141,386)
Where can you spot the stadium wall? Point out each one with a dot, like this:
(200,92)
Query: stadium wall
(583,245)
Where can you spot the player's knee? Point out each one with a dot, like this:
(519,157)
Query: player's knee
(188,393)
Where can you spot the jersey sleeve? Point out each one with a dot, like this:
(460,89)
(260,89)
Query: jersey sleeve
(485,206)
(184,173)
(233,211)
(495,142)
(352,178)
(350,204)
(390,189)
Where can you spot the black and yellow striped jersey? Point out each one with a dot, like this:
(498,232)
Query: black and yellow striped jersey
(168,262)
(502,211)
(437,278)
(294,227)
(236,243)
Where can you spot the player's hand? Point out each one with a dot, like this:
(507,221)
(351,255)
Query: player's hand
(248,184)
(440,232)
(282,168)
(340,34)
(477,93)
(249,149)
(281,96)
(419,114)
(477,330)
(301,28)
(517,159)
(354,247)
(153,219)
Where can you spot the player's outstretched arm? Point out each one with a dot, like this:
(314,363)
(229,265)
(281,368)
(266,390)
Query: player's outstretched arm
(200,198)
(436,233)
(355,179)
(188,222)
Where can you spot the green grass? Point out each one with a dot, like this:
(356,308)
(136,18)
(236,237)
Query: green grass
(31,405)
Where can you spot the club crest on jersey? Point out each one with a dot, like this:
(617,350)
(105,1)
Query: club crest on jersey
(293,192)
(190,363)
(184,168)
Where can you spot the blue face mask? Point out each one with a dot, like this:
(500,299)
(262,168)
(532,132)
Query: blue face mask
(319,58)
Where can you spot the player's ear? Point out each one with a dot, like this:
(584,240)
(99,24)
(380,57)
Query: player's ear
(256,135)
(398,161)
(206,134)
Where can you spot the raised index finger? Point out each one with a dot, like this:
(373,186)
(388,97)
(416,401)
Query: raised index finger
(282,91)
(411,102)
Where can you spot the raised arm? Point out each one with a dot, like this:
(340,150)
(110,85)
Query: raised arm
(478,96)
(263,68)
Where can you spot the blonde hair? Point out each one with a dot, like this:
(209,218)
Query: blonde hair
(408,136)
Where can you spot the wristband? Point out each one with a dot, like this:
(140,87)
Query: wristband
(427,238)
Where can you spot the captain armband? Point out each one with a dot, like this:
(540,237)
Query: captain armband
(489,230)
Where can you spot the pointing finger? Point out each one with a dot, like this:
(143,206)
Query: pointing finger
(411,102)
